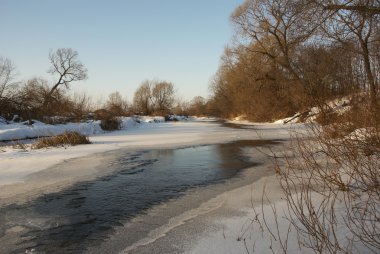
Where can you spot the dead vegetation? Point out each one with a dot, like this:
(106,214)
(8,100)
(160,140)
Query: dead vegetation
(331,181)
(19,145)
(66,139)
(289,55)
(331,185)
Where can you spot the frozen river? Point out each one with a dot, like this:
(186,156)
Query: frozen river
(90,213)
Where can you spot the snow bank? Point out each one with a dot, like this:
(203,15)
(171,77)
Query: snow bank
(147,119)
(204,119)
(362,134)
(339,106)
(18,131)
(292,119)
(176,118)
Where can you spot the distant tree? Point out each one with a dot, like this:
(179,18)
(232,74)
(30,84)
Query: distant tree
(142,100)
(66,67)
(181,107)
(81,104)
(7,73)
(163,96)
(8,87)
(32,97)
(198,106)
(116,104)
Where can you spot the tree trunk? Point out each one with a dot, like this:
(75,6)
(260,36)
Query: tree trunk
(369,74)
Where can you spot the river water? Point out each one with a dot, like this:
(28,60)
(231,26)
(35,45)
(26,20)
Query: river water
(85,214)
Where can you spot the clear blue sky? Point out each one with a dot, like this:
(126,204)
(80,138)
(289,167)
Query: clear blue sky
(120,42)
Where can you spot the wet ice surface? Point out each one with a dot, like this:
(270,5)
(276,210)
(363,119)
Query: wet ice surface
(83,215)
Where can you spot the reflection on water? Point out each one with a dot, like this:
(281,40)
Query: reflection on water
(86,213)
(236,125)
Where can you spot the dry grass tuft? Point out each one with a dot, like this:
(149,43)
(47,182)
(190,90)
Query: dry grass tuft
(68,138)
(19,145)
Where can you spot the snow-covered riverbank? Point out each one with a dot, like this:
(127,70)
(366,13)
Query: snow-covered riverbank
(20,131)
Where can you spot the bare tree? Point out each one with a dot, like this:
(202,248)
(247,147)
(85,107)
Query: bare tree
(116,104)
(198,106)
(355,24)
(181,107)
(8,91)
(32,96)
(67,67)
(163,96)
(278,28)
(7,73)
(362,7)
(81,104)
(142,100)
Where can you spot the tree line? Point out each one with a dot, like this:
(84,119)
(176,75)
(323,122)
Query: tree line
(289,55)
(39,99)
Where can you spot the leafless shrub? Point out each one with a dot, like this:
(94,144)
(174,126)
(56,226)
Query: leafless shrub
(67,68)
(117,105)
(198,106)
(32,96)
(326,117)
(81,104)
(332,189)
(68,138)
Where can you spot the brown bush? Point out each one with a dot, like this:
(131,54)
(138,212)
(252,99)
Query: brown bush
(68,138)
(360,115)
(110,123)
(326,117)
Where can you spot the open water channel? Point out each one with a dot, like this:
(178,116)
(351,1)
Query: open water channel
(85,214)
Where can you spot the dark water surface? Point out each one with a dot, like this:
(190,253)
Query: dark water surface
(84,214)
(236,125)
